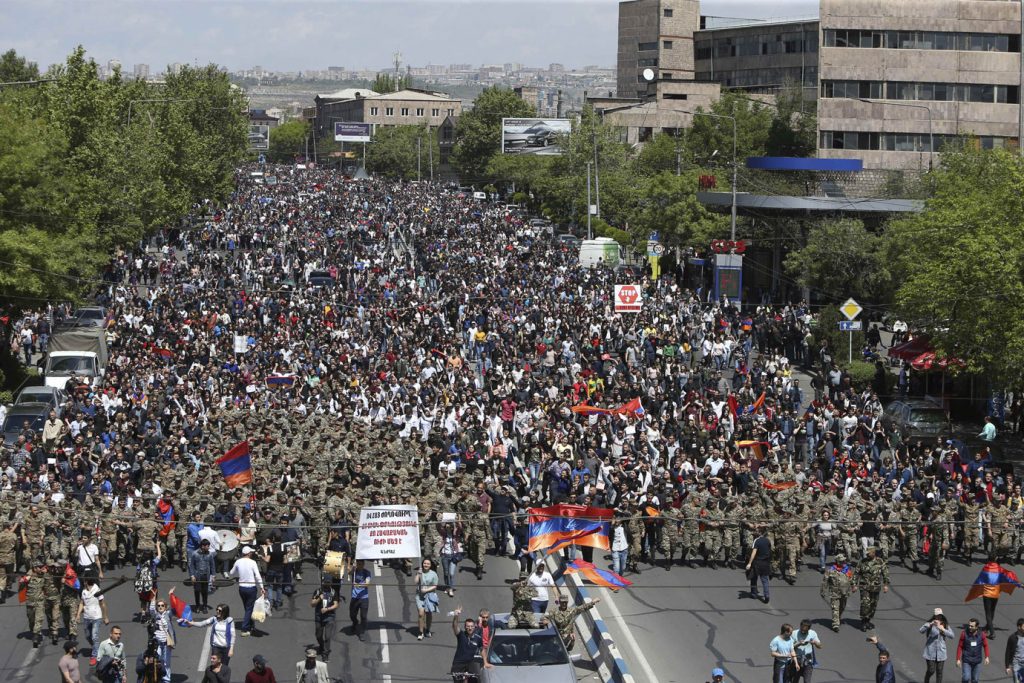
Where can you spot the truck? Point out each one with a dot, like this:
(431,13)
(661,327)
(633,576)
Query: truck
(81,350)
(603,251)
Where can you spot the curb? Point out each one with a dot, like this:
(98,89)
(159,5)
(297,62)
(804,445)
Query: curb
(611,667)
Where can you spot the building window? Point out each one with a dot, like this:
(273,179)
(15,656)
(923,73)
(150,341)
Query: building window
(647,47)
(647,62)
(667,12)
(666,44)
(389,111)
(405,111)
(373,111)
(435,112)
(922,40)
(667,75)
(419,111)
(451,112)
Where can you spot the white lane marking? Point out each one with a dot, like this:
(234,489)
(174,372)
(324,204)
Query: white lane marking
(638,655)
(385,653)
(376,569)
(204,656)
(380,600)
(28,661)
(386,678)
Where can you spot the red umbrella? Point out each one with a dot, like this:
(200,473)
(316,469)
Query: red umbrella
(926,360)
(911,349)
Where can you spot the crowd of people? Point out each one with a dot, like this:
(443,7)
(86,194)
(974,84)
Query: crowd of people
(434,360)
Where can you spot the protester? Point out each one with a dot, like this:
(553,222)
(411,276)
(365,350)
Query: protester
(260,672)
(68,665)
(936,632)
(971,651)
(310,670)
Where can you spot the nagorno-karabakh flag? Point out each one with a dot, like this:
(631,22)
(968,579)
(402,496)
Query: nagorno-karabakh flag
(557,526)
(236,465)
(991,581)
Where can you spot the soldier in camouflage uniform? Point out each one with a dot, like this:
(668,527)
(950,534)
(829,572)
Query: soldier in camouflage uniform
(8,555)
(522,607)
(689,537)
(889,533)
(669,533)
(909,526)
(477,535)
(564,619)
(836,586)
(792,546)
(999,528)
(938,538)
(731,546)
(35,584)
(714,521)
(636,530)
(872,577)
(68,603)
(970,534)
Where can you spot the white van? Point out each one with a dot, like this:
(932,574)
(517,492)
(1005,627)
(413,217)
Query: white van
(601,251)
(480,196)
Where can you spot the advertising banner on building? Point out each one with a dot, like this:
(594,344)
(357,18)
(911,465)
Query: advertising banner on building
(628,298)
(533,136)
(259,136)
(388,532)
(351,131)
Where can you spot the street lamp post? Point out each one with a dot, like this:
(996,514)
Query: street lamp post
(931,138)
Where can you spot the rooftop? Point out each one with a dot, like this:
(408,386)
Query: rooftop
(712,23)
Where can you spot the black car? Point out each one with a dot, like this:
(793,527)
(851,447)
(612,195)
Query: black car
(320,278)
(33,413)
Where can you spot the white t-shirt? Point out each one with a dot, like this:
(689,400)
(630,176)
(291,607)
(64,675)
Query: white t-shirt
(91,601)
(87,554)
(541,583)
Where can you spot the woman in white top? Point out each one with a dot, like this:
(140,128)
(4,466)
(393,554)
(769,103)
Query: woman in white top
(222,633)
(92,609)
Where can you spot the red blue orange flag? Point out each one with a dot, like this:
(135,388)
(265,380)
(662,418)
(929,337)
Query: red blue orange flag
(557,526)
(181,609)
(236,465)
(596,575)
(991,581)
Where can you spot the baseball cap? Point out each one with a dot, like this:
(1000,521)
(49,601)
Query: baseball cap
(717,672)
(311,652)
(247,550)
(258,659)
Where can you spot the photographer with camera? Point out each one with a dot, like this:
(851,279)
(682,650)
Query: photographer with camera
(148,666)
(161,634)
(805,642)
(936,631)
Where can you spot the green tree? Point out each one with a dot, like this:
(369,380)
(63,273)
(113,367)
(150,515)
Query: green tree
(387,83)
(15,69)
(287,140)
(960,262)
(395,152)
(478,135)
(663,152)
(841,259)
(793,128)
(710,134)
(668,205)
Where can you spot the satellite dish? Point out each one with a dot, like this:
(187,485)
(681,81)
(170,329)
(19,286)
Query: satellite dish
(648,75)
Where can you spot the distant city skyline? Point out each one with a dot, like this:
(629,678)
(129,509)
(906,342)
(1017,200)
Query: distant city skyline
(287,35)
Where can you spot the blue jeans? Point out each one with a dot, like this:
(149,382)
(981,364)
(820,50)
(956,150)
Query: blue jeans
(764,585)
(451,570)
(274,581)
(165,656)
(539,606)
(92,634)
(970,672)
(248,595)
(619,561)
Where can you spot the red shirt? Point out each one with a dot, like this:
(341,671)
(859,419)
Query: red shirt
(266,677)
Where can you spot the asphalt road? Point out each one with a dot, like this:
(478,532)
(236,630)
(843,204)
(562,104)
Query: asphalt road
(391,652)
(675,626)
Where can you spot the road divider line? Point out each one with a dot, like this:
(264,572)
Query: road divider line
(376,569)
(608,599)
(204,655)
(385,651)
(380,600)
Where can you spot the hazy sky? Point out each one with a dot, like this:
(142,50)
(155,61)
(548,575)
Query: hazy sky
(289,35)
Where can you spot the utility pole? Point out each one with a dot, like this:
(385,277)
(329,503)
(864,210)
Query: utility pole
(430,151)
(419,176)
(597,176)
(679,156)
(589,233)
(398,63)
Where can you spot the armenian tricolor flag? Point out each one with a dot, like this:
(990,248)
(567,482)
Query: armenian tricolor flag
(597,576)
(280,380)
(71,578)
(756,448)
(168,516)
(633,407)
(181,609)
(236,465)
(991,581)
(557,526)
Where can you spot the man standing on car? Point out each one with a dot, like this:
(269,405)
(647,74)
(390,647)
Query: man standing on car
(468,644)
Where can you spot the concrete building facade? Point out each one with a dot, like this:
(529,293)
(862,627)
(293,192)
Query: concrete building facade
(899,79)
(403,108)
(656,35)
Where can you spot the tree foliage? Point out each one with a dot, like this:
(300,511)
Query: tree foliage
(395,152)
(835,251)
(669,207)
(960,262)
(88,166)
(387,83)
(478,135)
(287,140)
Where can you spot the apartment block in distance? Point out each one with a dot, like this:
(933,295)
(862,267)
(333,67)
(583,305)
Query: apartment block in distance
(898,78)
(656,35)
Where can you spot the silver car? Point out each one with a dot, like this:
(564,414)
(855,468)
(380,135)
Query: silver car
(534,655)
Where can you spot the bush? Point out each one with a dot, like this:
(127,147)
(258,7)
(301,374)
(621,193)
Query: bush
(862,376)
(6,398)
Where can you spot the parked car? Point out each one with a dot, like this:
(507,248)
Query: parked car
(88,316)
(520,654)
(51,396)
(571,241)
(917,419)
(33,413)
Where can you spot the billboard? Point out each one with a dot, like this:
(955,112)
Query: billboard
(259,136)
(351,131)
(533,136)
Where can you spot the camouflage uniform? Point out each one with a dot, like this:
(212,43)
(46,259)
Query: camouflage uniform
(909,534)
(522,607)
(731,535)
(669,534)
(564,619)
(69,600)
(792,547)
(938,537)
(970,540)
(635,527)
(836,586)
(872,576)
(35,605)
(714,521)
(690,531)
(8,548)
(999,529)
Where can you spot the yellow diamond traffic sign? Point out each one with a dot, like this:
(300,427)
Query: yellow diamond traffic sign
(851,309)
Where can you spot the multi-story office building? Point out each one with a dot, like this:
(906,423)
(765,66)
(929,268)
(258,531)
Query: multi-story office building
(656,35)
(403,108)
(758,56)
(899,79)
